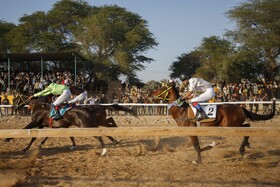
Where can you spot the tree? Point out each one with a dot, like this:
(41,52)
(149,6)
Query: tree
(64,18)
(214,55)
(115,40)
(5,28)
(258,30)
(185,63)
(51,31)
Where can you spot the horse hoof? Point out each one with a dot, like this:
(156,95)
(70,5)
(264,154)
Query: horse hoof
(6,140)
(213,144)
(116,142)
(104,151)
(195,162)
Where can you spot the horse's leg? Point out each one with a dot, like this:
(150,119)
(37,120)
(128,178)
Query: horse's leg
(114,141)
(197,149)
(73,143)
(99,138)
(213,144)
(42,142)
(32,140)
(29,145)
(245,142)
(29,126)
(110,122)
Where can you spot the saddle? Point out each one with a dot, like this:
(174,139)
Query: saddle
(210,110)
(62,110)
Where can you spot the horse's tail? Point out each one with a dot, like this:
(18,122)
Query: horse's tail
(120,108)
(258,117)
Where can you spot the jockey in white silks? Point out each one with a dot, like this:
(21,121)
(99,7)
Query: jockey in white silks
(196,85)
(80,95)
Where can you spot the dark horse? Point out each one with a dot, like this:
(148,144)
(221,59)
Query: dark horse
(80,116)
(228,115)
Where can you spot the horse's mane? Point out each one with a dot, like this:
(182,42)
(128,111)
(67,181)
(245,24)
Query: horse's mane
(40,101)
(175,89)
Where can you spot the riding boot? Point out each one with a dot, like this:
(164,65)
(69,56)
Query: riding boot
(57,113)
(200,112)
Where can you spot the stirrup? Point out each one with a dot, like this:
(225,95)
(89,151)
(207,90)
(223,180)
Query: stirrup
(57,115)
(201,116)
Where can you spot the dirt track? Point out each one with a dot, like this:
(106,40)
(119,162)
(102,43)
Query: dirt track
(139,161)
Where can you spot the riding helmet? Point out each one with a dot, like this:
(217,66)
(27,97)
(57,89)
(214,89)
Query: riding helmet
(47,82)
(184,76)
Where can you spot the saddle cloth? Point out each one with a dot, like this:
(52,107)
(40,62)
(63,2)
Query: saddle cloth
(210,110)
(61,110)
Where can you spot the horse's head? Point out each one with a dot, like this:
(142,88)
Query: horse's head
(23,100)
(20,101)
(167,92)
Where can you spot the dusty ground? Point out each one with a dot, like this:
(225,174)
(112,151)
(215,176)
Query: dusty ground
(135,162)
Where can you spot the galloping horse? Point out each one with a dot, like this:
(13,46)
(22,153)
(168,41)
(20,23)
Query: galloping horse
(228,115)
(84,117)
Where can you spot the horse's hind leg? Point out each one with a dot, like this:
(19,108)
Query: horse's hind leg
(110,122)
(73,143)
(104,151)
(245,142)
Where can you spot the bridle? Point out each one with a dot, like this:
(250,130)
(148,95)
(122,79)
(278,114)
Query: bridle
(21,102)
(164,94)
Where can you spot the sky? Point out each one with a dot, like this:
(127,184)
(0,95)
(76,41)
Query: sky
(179,26)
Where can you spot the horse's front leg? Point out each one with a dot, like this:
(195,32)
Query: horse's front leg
(32,140)
(197,149)
(43,142)
(104,151)
(29,126)
(29,145)
(113,140)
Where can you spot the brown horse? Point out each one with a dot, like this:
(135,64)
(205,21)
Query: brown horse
(80,116)
(228,115)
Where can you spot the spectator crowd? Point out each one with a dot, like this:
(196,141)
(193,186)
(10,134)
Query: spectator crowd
(29,82)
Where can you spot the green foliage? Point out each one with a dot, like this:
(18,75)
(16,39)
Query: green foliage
(185,63)
(259,30)
(5,28)
(247,52)
(115,38)
(110,37)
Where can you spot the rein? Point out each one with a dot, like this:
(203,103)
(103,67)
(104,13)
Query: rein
(165,93)
(22,104)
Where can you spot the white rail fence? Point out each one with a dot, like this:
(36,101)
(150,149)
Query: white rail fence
(160,109)
(142,131)
(146,131)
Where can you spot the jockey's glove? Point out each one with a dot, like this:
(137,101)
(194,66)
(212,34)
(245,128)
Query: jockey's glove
(179,101)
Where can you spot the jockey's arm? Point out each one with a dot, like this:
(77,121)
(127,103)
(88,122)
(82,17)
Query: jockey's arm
(188,95)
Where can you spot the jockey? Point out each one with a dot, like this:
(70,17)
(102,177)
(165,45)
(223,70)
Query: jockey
(60,90)
(199,85)
(80,95)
